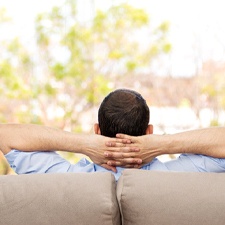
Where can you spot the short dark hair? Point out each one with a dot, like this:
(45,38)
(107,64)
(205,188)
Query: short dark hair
(123,111)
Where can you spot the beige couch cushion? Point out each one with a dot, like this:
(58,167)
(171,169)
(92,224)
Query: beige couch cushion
(59,199)
(171,198)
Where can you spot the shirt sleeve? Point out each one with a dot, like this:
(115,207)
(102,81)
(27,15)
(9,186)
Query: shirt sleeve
(206,163)
(196,163)
(37,162)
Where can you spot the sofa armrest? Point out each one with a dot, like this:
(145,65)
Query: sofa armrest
(147,197)
(59,199)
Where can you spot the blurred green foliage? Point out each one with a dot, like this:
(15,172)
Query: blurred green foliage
(75,63)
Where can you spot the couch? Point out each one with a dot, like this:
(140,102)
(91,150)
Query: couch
(139,197)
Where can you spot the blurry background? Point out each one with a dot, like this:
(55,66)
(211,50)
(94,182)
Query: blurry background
(58,59)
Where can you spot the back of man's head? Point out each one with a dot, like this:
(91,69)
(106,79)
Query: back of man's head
(123,111)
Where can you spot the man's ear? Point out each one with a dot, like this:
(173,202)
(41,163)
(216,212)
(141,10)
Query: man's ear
(149,129)
(97,128)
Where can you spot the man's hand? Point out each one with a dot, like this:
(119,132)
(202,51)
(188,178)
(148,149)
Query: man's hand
(147,144)
(101,149)
(121,153)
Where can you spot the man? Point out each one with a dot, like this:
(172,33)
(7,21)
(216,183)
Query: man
(122,111)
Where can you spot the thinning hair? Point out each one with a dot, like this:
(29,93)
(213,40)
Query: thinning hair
(123,111)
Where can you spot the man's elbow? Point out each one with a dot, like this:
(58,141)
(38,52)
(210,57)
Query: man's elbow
(5,149)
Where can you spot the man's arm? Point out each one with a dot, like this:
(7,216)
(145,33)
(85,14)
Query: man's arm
(207,141)
(30,137)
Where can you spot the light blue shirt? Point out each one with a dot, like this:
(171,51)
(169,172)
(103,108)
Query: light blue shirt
(51,162)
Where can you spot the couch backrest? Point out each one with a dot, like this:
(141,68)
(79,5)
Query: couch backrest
(144,197)
(59,199)
(171,198)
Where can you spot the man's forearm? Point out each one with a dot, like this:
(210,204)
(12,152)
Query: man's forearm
(207,141)
(30,137)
